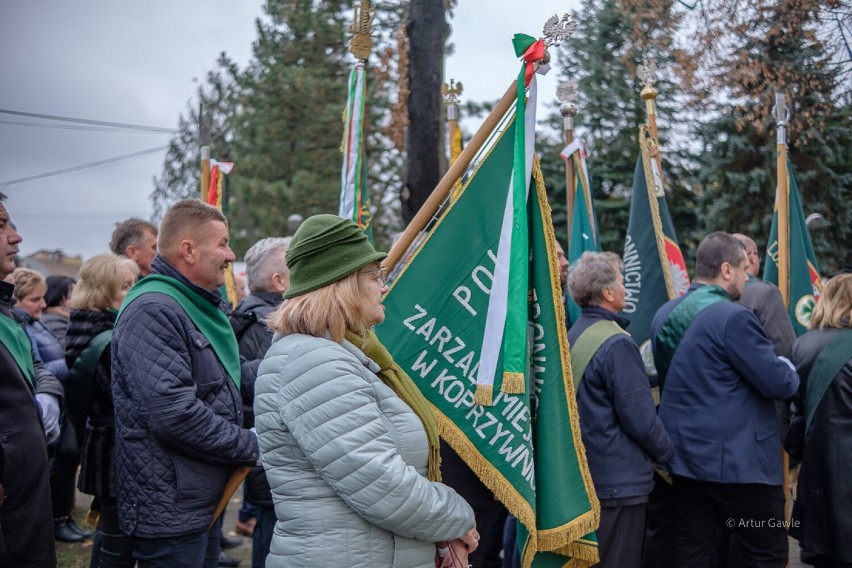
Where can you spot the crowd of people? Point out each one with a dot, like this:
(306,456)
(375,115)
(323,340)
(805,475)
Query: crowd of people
(138,385)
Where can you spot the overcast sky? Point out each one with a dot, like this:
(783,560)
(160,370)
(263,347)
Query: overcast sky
(135,62)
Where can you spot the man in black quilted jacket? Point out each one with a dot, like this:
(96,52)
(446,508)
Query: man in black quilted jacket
(178,385)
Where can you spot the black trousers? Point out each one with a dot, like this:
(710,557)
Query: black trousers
(620,536)
(753,512)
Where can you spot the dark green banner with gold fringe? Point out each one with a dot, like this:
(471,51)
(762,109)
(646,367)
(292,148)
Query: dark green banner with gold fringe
(525,447)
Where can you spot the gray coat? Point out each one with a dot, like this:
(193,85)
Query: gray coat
(346,459)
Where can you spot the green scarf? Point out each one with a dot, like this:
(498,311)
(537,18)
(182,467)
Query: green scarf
(15,339)
(209,319)
(679,320)
(826,367)
(393,376)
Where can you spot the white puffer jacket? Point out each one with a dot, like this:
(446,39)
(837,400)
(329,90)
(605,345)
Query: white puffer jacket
(346,459)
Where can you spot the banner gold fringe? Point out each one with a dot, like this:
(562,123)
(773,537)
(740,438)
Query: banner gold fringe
(491,477)
(513,383)
(484,395)
(566,537)
(585,551)
(655,209)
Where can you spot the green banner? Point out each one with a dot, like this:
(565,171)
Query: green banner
(804,282)
(434,327)
(654,269)
(584,229)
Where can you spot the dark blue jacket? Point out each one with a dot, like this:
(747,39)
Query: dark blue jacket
(178,416)
(717,402)
(621,432)
(47,348)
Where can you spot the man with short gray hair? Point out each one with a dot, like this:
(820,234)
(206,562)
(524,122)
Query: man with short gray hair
(619,425)
(268,278)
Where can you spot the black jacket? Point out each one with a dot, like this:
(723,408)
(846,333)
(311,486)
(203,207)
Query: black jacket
(178,416)
(823,507)
(618,421)
(249,323)
(26,530)
(97,462)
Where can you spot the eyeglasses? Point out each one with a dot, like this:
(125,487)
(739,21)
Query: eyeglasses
(378,275)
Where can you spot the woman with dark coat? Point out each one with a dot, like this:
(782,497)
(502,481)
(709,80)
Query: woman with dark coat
(819,434)
(104,281)
(58,300)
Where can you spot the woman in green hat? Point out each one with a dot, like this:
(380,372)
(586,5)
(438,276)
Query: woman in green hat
(348,443)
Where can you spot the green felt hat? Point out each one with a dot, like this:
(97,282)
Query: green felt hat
(325,249)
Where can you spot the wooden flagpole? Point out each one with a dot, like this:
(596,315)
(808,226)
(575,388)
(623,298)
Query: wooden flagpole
(567,93)
(442,190)
(647,74)
(782,204)
(782,197)
(205,173)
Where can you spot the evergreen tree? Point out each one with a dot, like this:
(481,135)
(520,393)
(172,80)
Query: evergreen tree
(777,47)
(207,120)
(610,42)
(287,131)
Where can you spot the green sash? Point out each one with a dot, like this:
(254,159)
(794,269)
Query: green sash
(679,320)
(209,319)
(78,390)
(833,357)
(588,344)
(15,339)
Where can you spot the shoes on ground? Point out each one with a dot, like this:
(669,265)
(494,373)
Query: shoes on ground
(226,542)
(63,531)
(246,528)
(225,560)
(75,528)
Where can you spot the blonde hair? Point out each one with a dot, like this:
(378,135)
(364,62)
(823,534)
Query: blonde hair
(101,278)
(28,281)
(834,308)
(334,309)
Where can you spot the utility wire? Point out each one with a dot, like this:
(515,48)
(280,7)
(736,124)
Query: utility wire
(87,121)
(85,166)
(79,127)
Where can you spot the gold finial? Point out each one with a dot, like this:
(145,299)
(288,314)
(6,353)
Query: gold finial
(362,44)
(451,92)
(647,73)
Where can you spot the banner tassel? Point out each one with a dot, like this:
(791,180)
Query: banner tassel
(513,383)
(484,395)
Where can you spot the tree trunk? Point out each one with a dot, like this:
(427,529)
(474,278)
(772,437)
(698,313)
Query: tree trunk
(427,31)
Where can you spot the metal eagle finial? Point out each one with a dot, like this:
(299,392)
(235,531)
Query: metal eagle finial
(451,92)
(556,31)
(647,72)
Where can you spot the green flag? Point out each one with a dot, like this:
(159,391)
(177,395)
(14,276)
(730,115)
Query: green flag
(654,269)
(583,228)
(435,325)
(804,283)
